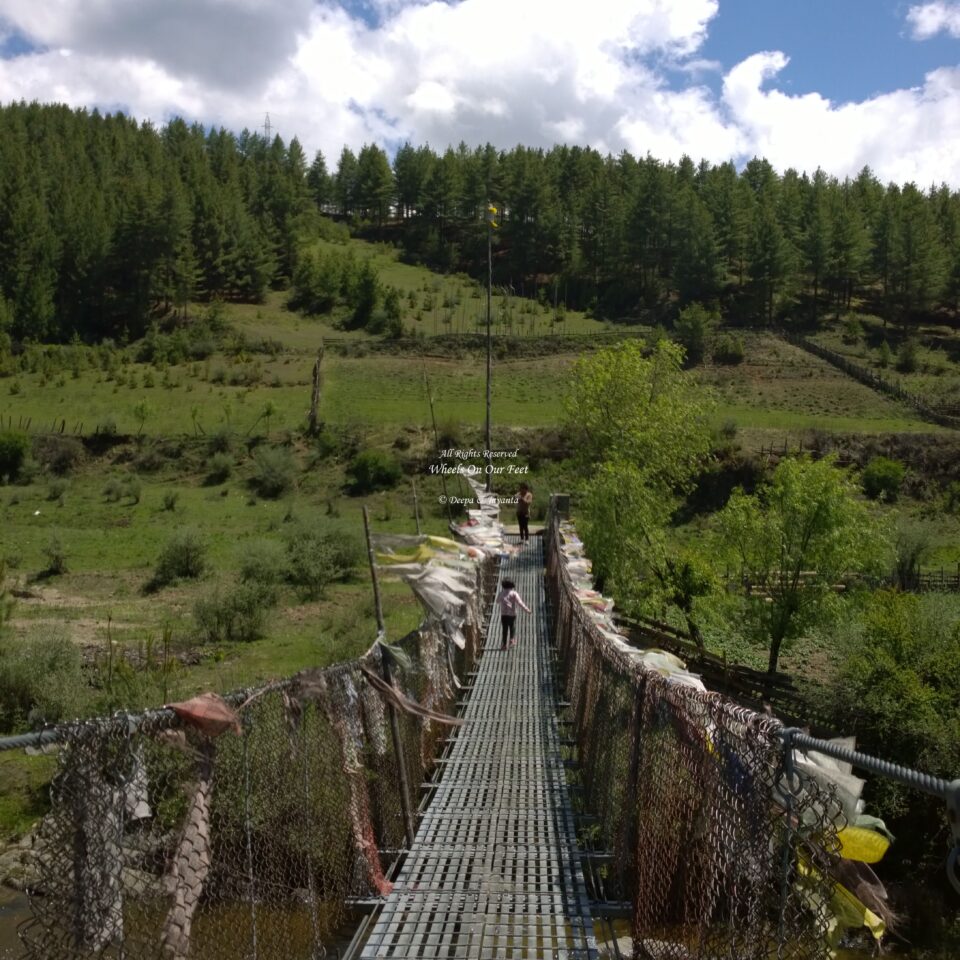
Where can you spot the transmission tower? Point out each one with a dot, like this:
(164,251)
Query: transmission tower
(267,127)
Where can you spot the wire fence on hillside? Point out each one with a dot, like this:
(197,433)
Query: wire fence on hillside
(875,381)
(204,832)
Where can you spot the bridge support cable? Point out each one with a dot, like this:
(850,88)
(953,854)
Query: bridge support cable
(494,871)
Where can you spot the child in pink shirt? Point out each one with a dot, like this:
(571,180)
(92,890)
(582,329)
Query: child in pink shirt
(509,601)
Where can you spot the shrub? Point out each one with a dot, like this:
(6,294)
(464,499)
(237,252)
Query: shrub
(373,470)
(908,356)
(884,355)
(57,490)
(220,441)
(112,490)
(221,466)
(240,614)
(58,454)
(882,477)
(693,329)
(318,556)
(170,501)
(56,557)
(728,429)
(263,562)
(41,681)
(729,350)
(183,558)
(274,472)
(13,451)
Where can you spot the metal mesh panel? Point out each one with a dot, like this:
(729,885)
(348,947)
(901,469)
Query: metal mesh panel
(163,842)
(716,854)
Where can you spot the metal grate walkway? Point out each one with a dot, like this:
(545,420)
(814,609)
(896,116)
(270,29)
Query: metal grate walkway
(495,872)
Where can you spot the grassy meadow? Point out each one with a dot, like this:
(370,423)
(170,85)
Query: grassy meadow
(180,448)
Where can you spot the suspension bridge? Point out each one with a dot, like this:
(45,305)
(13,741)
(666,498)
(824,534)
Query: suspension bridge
(445,797)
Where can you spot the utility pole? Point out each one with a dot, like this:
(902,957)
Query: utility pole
(491,223)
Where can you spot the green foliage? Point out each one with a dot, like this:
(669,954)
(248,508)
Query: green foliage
(56,556)
(263,562)
(884,355)
(170,499)
(729,350)
(882,478)
(693,330)
(372,470)
(59,455)
(793,540)
(852,331)
(41,681)
(898,683)
(238,614)
(640,430)
(274,472)
(320,555)
(7,601)
(220,466)
(908,356)
(13,451)
(183,557)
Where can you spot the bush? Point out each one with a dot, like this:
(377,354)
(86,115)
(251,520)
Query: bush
(373,470)
(275,472)
(183,558)
(884,355)
(318,556)
(220,441)
(908,356)
(170,501)
(41,681)
(693,329)
(729,350)
(221,466)
(238,615)
(263,562)
(13,451)
(882,477)
(56,557)
(58,454)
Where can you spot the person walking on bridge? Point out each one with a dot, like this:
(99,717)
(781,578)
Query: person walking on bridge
(509,601)
(524,499)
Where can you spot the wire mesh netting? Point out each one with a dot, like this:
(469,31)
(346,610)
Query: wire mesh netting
(166,841)
(719,849)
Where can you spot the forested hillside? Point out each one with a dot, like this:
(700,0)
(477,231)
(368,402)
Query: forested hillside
(106,224)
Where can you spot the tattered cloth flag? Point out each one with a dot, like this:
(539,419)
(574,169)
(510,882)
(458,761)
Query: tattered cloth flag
(190,864)
(343,712)
(402,702)
(209,713)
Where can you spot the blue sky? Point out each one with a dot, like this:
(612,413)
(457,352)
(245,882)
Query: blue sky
(844,49)
(805,83)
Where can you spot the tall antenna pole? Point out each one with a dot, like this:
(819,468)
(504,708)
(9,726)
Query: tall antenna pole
(267,127)
(490,212)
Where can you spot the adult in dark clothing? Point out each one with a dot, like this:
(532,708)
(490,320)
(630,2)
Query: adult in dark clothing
(524,499)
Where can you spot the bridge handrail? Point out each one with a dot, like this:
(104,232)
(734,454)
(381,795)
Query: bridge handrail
(732,782)
(162,837)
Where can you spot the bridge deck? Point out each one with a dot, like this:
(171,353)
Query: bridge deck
(494,871)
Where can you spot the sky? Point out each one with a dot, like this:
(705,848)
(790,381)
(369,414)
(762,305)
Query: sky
(836,84)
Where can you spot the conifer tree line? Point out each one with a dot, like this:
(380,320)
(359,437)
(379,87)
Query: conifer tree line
(107,224)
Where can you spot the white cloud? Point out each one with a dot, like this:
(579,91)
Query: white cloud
(903,135)
(535,72)
(928,19)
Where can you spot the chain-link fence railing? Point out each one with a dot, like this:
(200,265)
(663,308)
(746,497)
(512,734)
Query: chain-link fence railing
(721,844)
(239,828)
